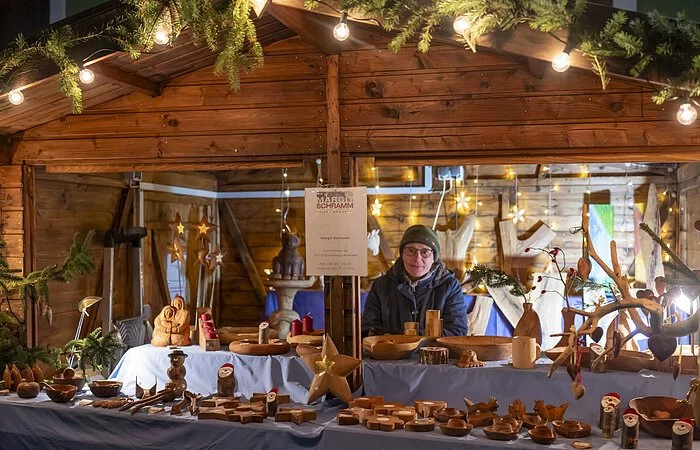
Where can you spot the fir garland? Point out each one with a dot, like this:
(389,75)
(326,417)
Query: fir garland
(226,27)
(497,279)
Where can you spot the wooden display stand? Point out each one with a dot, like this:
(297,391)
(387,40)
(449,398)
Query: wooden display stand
(208,345)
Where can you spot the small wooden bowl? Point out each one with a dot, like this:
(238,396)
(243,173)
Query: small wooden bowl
(307,339)
(447,414)
(646,406)
(542,434)
(78,382)
(515,424)
(28,389)
(231,334)
(251,347)
(500,435)
(530,421)
(391,346)
(61,393)
(487,348)
(481,419)
(571,429)
(420,425)
(303,349)
(456,427)
(105,388)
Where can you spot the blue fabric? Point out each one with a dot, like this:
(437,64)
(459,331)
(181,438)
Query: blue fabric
(305,302)
(392,301)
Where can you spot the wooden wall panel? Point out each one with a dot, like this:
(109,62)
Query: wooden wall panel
(12,224)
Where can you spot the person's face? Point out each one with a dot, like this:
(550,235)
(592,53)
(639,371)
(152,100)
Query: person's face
(417,259)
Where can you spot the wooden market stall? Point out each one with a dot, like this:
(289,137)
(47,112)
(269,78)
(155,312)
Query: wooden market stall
(167,128)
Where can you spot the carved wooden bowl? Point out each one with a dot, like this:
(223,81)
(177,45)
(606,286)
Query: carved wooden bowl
(446,414)
(230,334)
(308,339)
(627,360)
(501,432)
(251,347)
(487,348)
(530,421)
(78,382)
(646,406)
(456,427)
(61,393)
(303,349)
(105,388)
(391,346)
(571,429)
(542,434)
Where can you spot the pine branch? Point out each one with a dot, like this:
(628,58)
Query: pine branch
(496,279)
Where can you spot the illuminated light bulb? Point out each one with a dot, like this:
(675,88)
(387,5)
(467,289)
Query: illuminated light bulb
(342,31)
(670,210)
(278,210)
(545,168)
(413,197)
(588,190)
(462,24)
(686,114)
(480,203)
(376,187)
(376,207)
(629,183)
(561,62)
(373,169)
(588,214)
(520,194)
(476,180)
(268,271)
(664,193)
(546,211)
(320,180)
(15,96)
(462,201)
(286,192)
(161,36)
(86,76)
(554,188)
(284,174)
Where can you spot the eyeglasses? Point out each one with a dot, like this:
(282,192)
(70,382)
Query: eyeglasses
(424,252)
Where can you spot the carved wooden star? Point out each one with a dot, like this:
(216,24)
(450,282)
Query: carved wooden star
(175,250)
(216,258)
(204,227)
(330,369)
(177,226)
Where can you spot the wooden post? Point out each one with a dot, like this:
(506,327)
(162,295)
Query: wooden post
(29,219)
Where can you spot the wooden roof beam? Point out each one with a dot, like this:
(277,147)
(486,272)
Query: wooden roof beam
(316,29)
(121,78)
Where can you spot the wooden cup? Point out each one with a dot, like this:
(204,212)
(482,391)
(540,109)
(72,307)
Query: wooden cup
(410,328)
(526,351)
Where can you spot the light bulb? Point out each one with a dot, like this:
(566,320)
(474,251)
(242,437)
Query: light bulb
(476,181)
(686,114)
(413,197)
(284,174)
(561,62)
(462,24)
(161,37)
(342,30)
(286,192)
(86,76)
(15,97)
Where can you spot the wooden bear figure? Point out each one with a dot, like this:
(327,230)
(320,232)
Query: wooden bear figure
(288,264)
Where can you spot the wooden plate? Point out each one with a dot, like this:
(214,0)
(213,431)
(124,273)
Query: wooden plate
(230,334)
(391,346)
(307,339)
(251,347)
(487,348)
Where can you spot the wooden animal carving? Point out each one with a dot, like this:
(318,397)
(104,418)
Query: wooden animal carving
(288,264)
(172,326)
(491,405)
(226,382)
(550,412)
(468,359)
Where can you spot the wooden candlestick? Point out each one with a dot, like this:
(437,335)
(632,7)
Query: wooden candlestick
(264,333)
(434,355)
(630,429)
(682,437)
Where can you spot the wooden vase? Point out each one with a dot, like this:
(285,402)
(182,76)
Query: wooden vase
(569,320)
(529,324)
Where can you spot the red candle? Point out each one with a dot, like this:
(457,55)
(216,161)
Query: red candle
(296,327)
(307,324)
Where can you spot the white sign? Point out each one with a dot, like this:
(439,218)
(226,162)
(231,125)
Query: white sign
(336,231)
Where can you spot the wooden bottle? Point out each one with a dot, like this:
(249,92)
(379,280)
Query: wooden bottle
(529,324)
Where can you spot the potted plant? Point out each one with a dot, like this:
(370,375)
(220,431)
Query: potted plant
(97,350)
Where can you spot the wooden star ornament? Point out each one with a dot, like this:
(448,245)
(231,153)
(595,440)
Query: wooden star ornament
(177,226)
(204,227)
(216,258)
(330,371)
(175,250)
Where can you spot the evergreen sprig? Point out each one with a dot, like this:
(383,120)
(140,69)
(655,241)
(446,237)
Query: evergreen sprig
(96,349)
(496,279)
(13,349)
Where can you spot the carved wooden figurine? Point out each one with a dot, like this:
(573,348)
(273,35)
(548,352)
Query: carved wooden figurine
(172,326)
(610,399)
(226,381)
(682,438)
(288,264)
(630,429)
(607,421)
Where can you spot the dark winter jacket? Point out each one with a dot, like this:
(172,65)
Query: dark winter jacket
(393,301)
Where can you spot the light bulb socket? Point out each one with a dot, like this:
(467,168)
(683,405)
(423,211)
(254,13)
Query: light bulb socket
(344,17)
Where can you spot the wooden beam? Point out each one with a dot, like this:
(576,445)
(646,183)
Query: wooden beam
(259,6)
(232,224)
(165,166)
(384,247)
(158,272)
(333,121)
(121,78)
(31,311)
(316,29)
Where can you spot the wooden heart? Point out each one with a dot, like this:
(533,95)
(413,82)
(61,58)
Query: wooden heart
(597,334)
(662,346)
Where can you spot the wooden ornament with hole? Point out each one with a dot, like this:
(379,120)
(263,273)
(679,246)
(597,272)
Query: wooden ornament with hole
(383,423)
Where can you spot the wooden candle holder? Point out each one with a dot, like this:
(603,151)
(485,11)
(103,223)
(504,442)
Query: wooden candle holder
(208,345)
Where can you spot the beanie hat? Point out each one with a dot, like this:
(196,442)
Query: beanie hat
(422,235)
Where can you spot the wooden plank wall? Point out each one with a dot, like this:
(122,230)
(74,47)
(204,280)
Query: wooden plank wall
(689,188)
(12,223)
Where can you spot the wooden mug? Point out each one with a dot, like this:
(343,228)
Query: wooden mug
(526,351)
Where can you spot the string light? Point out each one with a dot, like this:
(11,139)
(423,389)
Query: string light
(319,179)
(161,36)
(283,210)
(588,170)
(686,114)
(518,214)
(561,62)
(462,201)
(377,205)
(15,96)
(86,75)
(548,211)
(342,31)
(462,24)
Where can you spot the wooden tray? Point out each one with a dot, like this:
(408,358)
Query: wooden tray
(627,360)
(487,348)
(231,334)
(251,347)
(391,346)
(645,406)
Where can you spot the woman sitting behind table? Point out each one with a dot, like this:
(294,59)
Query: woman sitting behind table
(418,281)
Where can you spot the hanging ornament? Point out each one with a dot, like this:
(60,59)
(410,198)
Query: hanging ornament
(216,258)
(177,226)
(175,250)
(462,201)
(518,214)
(376,207)
(204,227)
